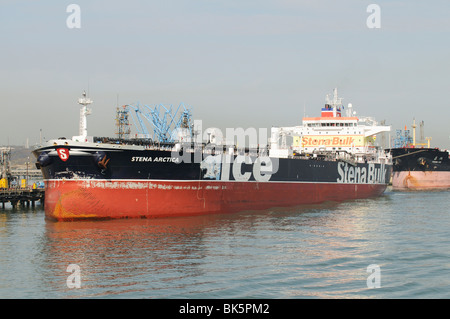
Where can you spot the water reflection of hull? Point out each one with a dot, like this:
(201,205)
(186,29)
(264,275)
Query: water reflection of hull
(118,257)
(72,199)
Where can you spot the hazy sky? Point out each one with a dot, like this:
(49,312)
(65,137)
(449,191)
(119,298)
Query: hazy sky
(257,63)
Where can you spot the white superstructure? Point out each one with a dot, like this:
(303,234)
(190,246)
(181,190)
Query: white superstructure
(332,132)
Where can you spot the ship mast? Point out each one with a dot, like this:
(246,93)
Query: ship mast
(335,102)
(84,112)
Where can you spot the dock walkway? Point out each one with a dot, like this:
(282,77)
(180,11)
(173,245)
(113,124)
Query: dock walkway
(22,196)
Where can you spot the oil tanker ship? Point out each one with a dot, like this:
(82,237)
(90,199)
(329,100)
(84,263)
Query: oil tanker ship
(329,158)
(417,166)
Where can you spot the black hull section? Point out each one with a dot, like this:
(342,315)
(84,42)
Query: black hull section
(102,163)
(420,159)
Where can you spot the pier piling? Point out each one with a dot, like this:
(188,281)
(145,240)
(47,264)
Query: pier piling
(21,197)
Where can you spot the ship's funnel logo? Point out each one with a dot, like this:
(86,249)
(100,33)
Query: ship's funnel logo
(63,154)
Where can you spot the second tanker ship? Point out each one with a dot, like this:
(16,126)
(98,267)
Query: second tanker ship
(328,158)
(418,166)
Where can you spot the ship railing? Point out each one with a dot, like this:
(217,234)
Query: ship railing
(216,149)
(347,159)
(190,147)
(352,158)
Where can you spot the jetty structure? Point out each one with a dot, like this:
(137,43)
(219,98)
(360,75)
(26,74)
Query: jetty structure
(14,186)
(22,197)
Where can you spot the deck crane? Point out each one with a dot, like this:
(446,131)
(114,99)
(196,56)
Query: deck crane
(168,124)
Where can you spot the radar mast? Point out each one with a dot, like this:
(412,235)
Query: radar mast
(84,101)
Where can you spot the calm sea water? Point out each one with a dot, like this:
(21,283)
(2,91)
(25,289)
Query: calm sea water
(321,251)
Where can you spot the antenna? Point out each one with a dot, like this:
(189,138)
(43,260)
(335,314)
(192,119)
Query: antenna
(304,109)
(422,135)
(335,102)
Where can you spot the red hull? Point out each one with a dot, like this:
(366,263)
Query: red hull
(420,180)
(98,199)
